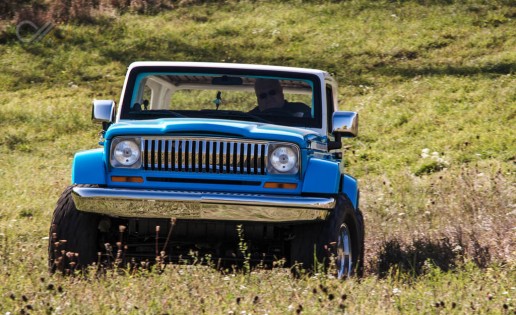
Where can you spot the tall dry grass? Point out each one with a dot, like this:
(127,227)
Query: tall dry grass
(77,11)
(447,218)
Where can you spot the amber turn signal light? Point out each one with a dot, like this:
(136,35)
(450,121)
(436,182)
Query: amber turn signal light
(127,179)
(280,185)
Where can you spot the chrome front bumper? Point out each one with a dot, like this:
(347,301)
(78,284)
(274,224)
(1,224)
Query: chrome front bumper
(201,205)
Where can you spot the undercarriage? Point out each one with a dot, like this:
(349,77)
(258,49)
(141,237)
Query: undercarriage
(219,243)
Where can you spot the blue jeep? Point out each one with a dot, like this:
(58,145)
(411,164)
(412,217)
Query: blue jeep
(196,151)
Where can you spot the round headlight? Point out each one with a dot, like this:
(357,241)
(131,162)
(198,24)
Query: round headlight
(284,159)
(126,153)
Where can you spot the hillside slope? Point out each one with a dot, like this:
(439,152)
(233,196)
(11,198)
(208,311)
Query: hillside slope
(433,81)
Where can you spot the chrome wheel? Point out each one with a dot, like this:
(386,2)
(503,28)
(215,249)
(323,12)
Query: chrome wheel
(344,253)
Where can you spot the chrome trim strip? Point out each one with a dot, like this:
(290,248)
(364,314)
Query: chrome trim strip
(201,205)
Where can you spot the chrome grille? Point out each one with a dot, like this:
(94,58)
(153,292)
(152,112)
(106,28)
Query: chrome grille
(204,155)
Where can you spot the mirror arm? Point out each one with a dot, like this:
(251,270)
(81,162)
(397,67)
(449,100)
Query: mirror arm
(337,144)
(105,125)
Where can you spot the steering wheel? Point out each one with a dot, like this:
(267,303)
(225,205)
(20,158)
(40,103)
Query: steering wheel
(277,111)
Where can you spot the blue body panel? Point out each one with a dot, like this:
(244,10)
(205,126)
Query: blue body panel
(321,177)
(350,188)
(319,173)
(89,167)
(213,182)
(222,182)
(214,127)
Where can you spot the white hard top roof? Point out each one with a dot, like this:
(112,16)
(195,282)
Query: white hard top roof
(227,66)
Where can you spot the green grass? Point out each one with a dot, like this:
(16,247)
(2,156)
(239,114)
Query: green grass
(433,75)
(197,290)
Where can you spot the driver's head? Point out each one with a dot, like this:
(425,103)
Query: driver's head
(269,94)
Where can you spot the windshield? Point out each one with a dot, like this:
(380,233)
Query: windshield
(266,99)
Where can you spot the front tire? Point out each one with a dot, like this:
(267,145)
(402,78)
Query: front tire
(340,237)
(73,236)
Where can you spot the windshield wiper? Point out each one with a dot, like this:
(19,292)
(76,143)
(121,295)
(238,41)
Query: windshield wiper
(233,114)
(158,112)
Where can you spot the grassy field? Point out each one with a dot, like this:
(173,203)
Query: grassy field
(434,83)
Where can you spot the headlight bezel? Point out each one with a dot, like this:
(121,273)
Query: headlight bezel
(272,169)
(137,145)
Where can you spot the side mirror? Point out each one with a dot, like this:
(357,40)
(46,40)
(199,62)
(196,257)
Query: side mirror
(345,124)
(103,111)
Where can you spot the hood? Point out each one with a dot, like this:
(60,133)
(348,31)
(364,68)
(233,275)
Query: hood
(214,127)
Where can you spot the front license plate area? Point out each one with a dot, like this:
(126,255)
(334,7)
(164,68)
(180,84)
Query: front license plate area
(180,209)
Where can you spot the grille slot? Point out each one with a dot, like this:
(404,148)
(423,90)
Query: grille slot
(204,155)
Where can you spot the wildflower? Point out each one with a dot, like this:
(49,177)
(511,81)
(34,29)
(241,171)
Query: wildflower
(396,291)
(457,249)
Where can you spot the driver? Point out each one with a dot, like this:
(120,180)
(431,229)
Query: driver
(269,94)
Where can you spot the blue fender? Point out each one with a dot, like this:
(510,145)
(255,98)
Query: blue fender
(350,189)
(89,167)
(321,177)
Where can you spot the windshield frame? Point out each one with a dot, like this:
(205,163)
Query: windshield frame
(134,78)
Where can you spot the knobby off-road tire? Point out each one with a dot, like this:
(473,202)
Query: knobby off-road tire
(324,240)
(76,232)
